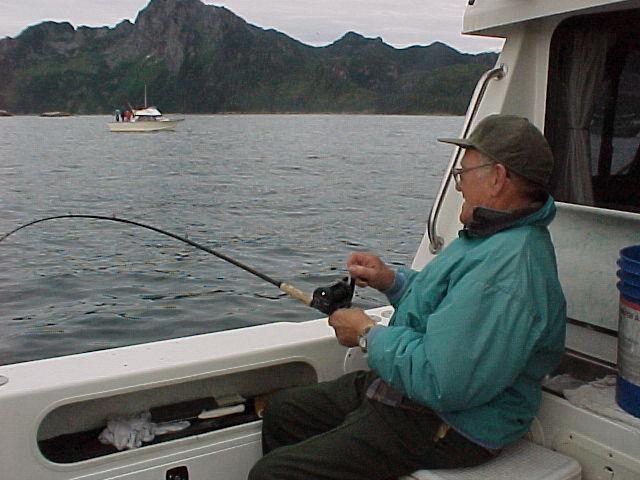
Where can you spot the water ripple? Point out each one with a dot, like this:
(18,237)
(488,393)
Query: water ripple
(290,195)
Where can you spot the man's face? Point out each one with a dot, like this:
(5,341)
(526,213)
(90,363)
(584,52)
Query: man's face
(474,184)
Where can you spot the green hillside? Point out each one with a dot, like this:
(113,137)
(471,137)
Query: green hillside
(197,58)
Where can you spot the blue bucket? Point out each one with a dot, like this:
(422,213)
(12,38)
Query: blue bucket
(628,384)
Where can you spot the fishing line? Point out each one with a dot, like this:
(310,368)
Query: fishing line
(326,299)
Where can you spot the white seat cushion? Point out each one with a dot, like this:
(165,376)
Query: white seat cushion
(521,461)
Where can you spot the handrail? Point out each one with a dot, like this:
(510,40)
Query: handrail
(436,242)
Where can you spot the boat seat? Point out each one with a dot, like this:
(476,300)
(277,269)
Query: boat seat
(522,461)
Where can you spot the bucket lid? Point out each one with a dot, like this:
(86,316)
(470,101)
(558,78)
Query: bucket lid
(629,265)
(629,278)
(629,291)
(631,254)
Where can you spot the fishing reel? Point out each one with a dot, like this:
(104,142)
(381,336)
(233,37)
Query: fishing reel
(335,296)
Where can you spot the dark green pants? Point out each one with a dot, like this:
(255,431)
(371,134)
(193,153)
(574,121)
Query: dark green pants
(333,431)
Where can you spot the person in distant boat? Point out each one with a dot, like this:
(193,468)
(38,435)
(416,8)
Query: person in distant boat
(456,375)
(117,114)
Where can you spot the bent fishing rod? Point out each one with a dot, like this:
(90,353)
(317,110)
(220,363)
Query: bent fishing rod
(325,299)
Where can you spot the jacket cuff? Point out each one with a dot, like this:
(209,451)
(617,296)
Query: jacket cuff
(394,292)
(373,333)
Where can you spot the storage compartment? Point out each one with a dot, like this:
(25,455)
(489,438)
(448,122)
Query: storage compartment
(583,368)
(69,433)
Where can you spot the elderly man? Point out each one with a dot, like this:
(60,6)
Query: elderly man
(456,374)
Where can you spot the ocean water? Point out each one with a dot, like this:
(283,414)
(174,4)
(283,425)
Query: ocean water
(290,195)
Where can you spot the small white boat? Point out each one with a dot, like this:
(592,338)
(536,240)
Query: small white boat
(148,119)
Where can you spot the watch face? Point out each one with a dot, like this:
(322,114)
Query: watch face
(362,342)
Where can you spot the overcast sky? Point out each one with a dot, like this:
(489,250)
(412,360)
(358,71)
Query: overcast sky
(315,22)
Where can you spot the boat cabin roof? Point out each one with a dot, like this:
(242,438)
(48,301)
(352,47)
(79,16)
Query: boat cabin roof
(147,112)
(489,17)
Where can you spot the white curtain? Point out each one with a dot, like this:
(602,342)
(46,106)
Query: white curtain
(584,75)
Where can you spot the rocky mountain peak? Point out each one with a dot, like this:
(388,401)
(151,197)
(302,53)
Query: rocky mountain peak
(355,38)
(167,29)
(158,11)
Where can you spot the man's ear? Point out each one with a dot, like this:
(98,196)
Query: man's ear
(499,179)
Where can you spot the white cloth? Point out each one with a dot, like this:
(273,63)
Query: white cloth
(599,396)
(582,77)
(131,432)
(563,382)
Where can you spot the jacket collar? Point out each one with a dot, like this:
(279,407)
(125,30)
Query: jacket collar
(487,221)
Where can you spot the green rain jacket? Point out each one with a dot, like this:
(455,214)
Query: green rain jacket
(477,329)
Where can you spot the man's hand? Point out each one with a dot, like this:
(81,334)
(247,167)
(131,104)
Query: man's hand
(369,270)
(348,324)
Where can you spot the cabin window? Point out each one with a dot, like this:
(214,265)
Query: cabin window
(593,111)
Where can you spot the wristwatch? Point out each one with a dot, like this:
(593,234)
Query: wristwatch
(362,338)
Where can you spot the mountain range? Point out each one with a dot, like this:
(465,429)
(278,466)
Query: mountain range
(197,58)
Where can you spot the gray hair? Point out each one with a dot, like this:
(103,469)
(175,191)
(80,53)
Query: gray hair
(528,188)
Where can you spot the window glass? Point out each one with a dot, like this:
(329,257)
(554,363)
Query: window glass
(593,111)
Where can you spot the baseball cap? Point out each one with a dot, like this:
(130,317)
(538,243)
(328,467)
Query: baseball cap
(514,142)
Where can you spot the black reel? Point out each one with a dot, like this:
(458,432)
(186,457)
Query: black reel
(335,296)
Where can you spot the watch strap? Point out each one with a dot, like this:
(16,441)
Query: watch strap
(362,338)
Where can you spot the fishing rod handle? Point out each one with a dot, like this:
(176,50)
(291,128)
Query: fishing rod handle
(295,293)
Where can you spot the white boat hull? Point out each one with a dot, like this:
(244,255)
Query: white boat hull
(151,126)
(78,393)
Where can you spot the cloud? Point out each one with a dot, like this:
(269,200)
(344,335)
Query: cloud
(19,14)
(400,23)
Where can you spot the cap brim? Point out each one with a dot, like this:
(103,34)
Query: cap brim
(461,142)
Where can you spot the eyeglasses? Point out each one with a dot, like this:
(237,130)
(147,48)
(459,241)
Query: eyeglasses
(456,173)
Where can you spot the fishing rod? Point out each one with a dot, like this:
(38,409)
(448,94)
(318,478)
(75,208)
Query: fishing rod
(325,299)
